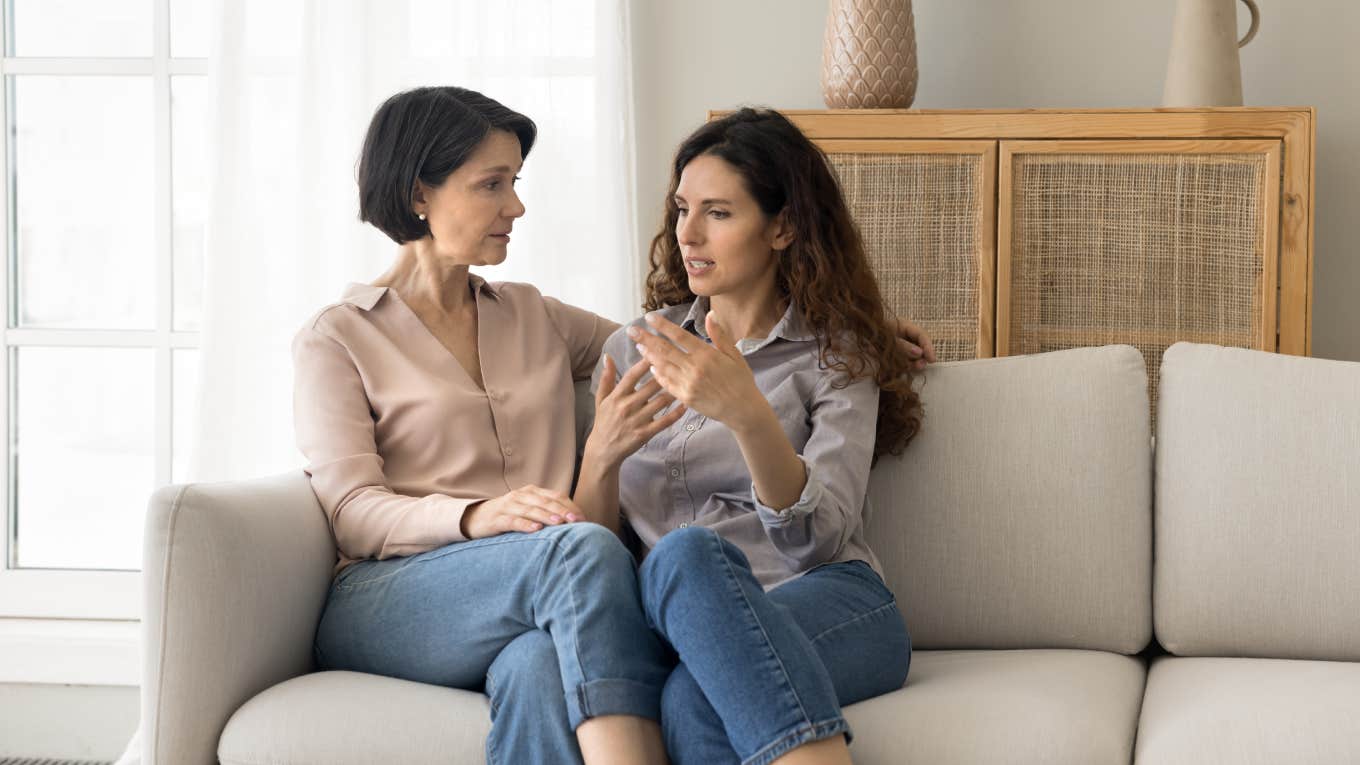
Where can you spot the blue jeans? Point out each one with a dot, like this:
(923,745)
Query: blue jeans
(548,623)
(762,673)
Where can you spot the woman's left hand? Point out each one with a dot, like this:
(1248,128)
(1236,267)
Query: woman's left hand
(916,343)
(713,380)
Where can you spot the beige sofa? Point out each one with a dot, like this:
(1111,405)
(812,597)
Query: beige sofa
(1040,567)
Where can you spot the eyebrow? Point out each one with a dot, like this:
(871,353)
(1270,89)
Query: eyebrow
(497,169)
(679,198)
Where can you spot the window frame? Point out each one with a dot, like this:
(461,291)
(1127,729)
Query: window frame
(93,594)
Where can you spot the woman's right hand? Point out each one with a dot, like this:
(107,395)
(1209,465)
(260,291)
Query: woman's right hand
(626,415)
(527,509)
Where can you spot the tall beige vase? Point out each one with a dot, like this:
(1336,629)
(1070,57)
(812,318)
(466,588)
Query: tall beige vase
(1203,68)
(869,55)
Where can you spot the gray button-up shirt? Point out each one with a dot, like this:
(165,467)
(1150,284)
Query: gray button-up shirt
(693,473)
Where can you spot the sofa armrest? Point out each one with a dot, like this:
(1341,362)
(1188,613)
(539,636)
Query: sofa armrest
(234,578)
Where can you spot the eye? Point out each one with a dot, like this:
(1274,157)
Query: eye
(515,180)
(720,214)
(682,211)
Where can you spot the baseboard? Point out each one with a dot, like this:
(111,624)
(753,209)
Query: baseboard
(33,761)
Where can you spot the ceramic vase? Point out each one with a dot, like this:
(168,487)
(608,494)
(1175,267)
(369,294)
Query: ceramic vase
(1203,68)
(869,55)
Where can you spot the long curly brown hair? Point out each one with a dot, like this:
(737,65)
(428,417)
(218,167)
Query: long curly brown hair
(824,273)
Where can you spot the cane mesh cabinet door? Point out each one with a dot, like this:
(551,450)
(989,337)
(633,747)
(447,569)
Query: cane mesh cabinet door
(926,212)
(1144,242)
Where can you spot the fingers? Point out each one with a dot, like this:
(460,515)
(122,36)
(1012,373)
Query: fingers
(652,347)
(667,374)
(927,346)
(552,502)
(630,378)
(646,392)
(607,382)
(657,405)
(516,523)
(673,332)
(661,423)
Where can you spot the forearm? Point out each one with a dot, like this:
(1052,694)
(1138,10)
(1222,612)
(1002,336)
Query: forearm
(597,492)
(778,474)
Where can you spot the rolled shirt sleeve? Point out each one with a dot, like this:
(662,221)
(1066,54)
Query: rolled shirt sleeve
(335,432)
(837,458)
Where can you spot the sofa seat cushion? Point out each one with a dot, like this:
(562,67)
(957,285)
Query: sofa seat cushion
(1200,711)
(351,718)
(1020,706)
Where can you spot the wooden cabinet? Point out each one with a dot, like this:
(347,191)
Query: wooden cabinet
(1008,232)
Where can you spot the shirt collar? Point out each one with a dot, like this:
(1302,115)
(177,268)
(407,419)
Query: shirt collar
(365,296)
(790,326)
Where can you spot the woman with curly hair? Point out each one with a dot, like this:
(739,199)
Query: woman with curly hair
(767,329)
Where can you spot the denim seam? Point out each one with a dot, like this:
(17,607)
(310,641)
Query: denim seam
(732,578)
(575,629)
(858,618)
(797,737)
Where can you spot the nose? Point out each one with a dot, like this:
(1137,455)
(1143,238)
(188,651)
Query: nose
(688,229)
(516,207)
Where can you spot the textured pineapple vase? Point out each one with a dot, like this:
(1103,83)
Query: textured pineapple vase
(869,55)
(1203,68)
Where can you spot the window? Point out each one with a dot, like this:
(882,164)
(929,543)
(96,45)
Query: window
(104,204)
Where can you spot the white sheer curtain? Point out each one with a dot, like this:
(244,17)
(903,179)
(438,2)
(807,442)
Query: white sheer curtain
(295,83)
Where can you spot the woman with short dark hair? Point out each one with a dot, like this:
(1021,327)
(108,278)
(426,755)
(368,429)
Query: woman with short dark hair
(435,411)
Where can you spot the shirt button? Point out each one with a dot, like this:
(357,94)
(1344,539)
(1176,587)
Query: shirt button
(675,472)
(509,451)
(684,525)
(690,426)
(494,394)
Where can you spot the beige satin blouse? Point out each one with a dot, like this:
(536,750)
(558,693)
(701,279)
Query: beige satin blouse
(399,439)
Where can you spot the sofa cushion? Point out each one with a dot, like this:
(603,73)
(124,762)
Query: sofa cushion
(1258,505)
(351,718)
(1037,706)
(1021,516)
(1203,711)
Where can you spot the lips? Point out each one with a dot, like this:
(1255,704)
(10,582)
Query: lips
(698,266)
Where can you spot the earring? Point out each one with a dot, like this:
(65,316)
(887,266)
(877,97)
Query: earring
(420,215)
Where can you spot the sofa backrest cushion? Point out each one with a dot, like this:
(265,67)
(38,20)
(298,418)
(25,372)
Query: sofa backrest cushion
(1020,516)
(1258,505)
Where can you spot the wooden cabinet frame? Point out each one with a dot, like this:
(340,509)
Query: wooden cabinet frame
(1293,127)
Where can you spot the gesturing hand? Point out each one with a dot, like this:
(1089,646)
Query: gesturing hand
(626,415)
(528,508)
(713,380)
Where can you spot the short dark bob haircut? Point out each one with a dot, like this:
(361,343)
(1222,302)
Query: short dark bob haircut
(425,134)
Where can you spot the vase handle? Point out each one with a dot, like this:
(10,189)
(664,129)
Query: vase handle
(1255,22)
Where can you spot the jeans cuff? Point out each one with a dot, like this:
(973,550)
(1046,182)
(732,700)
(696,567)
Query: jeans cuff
(598,698)
(796,737)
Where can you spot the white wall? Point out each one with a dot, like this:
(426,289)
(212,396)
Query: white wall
(711,54)
(78,722)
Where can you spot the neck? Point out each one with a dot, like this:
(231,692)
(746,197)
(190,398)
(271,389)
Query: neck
(423,278)
(750,313)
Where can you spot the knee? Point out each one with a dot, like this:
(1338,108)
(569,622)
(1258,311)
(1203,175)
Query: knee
(526,672)
(681,697)
(683,551)
(595,543)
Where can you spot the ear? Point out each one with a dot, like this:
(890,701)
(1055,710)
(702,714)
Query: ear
(419,202)
(781,231)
